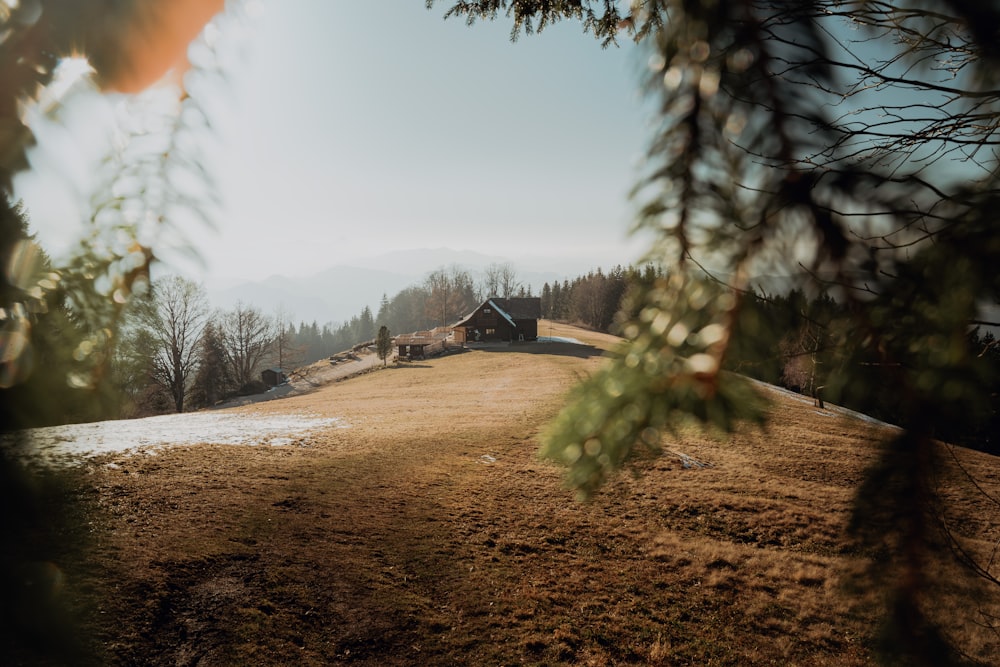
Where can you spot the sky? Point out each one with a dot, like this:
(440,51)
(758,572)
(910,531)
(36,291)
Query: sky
(345,130)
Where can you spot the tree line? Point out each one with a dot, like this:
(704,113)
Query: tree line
(799,340)
(449,293)
(175,353)
(595,298)
(441,299)
(806,343)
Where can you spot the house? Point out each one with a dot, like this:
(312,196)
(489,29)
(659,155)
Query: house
(496,319)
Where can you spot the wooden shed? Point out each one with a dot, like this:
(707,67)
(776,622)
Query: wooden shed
(421,344)
(272,377)
(496,319)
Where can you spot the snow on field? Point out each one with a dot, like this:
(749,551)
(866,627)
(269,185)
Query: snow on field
(72,443)
(830,410)
(558,339)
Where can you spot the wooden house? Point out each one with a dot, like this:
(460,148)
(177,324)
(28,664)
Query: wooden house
(497,319)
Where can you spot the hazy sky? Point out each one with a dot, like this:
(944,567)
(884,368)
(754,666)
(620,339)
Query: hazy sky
(347,129)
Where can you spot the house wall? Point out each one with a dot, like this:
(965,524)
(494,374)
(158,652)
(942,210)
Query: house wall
(492,326)
(412,351)
(422,350)
(483,319)
(527,328)
(488,331)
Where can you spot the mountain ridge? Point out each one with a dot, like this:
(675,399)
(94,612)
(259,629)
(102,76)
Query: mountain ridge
(343,290)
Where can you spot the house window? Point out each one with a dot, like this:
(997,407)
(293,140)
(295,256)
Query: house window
(487,311)
(490,332)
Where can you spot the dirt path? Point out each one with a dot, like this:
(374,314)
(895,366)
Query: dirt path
(312,377)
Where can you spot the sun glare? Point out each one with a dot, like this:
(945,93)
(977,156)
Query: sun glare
(69,73)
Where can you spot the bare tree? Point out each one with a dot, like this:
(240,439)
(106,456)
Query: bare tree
(286,354)
(509,283)
(439,302)
(588,302)
(464,289)
(450,293)
(247,336)
(213,381)
(500,280)
(799,351)
(175,319)
(491,280)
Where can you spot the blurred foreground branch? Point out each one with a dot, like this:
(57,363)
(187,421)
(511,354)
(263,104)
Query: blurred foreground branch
(847,147)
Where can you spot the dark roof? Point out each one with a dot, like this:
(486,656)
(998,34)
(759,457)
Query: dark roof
(503,313)
(522,307)
(518,308)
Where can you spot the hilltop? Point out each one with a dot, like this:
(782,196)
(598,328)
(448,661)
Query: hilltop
(423,529)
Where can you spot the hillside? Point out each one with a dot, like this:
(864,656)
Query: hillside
(428,532)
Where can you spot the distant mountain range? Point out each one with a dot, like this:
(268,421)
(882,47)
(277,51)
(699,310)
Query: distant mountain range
(337,294)
(342,291)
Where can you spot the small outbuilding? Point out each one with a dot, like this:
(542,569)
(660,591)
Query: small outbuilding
(496,319)
(272,377)
(422,344)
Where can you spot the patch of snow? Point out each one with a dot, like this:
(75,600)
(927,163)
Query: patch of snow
(72,443)
(795,396)
(487,459)
(558,339)
(863,417)
(832,410)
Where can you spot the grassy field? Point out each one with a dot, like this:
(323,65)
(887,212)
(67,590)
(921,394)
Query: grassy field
(429,533)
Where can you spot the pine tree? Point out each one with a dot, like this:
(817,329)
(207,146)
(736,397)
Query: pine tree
(383,344)
(384,309)
(366,326)
(213,381)
(546,301)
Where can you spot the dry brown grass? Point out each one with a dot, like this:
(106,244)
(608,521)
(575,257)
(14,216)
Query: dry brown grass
(429,533)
